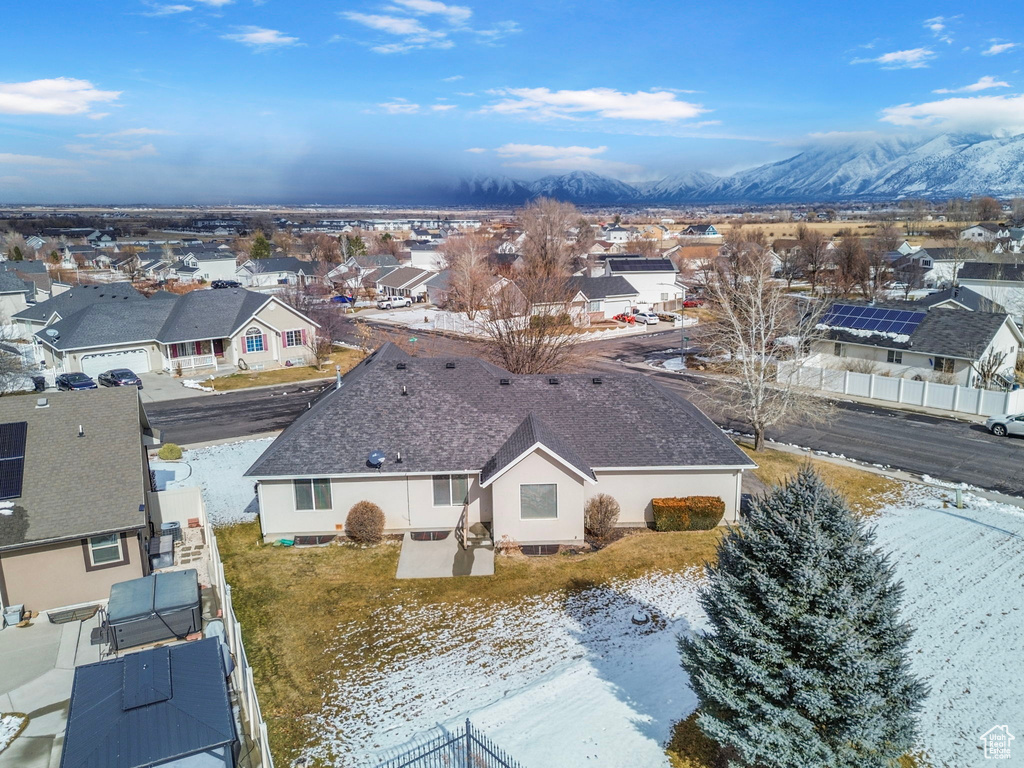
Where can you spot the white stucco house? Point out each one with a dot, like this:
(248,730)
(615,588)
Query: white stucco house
(519,454)
(655,280)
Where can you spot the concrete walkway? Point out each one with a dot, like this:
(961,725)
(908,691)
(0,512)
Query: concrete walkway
(38,668)
(444,558)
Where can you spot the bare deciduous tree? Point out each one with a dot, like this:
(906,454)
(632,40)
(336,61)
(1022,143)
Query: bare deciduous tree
(813,254)
(530,327)
(547,250)
(851,265)
(322,247)
(958,252)
(987,209)
(754,318)
(470,279)
(989,366)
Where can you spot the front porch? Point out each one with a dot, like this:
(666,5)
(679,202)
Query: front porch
(194,355)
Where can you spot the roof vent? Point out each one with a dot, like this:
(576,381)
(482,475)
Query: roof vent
(404,390)
(401,366)
(449,365)
(552,380)
(505,382)
(596,380)
(376,459)
(42,402)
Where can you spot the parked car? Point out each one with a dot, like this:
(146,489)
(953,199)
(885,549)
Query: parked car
(390,302)
(343,300)
(225,284)
(1006,424)
(645,316)
(119,377)
(71,381)
(691,303)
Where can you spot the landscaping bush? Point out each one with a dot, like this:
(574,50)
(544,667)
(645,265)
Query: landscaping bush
(600,515)
(687,513)
(365,523)
(169,452)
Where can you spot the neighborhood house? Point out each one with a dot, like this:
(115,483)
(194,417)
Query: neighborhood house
(520,454)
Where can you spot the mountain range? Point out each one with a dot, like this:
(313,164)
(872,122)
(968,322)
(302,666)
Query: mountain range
(937,167)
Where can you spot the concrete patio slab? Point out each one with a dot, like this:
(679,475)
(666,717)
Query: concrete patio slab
(444,558)
(28,652)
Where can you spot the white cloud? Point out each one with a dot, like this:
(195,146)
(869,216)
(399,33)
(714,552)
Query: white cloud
(442,107)
(983,84)
(414,35)
(498,31)
(6,157)
(124,133)
(215,3)
(56,96)
(108,153)
(399,107)
(261,38)
(98,115)
(456,14)
(995,114)
(545,157)
(159,9)
(543,103)
(451,79)
(476,150)
(997,48)
(914,58)
(939,26)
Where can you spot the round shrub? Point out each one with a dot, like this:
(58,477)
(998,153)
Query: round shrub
(600,515)
(169,452)
(365,523)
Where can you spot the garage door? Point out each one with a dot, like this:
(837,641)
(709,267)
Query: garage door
(135,359)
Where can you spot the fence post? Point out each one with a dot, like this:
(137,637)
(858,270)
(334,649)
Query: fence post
(899,390)
(924,394)
(956,398)
(469,745)
(871,386)
(846,382)
(1006,402)
(821,378)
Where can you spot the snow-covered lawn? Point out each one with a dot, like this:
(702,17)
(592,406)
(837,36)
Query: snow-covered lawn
(10,727)
(218,470)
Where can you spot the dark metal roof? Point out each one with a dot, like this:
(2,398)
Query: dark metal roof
(148,708)
(464,415)
(641,265)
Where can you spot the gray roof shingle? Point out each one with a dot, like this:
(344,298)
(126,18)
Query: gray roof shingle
(963,295)
(990,270)
(602,287)
(463,416)
(529,433)
(75,486)
(77,298)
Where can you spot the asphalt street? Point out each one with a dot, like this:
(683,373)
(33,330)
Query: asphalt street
(945,449)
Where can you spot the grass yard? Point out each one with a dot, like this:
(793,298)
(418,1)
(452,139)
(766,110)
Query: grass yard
(291,602)
(346,358)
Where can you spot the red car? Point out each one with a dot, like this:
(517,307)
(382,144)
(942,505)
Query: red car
(690,303)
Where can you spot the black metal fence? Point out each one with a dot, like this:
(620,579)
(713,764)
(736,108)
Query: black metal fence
(462,748)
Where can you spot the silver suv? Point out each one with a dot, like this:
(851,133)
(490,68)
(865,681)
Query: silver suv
(1006,424)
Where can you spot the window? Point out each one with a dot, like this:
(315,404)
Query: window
(451,490)
(943,364)
(312,494)
(105,550)
(840,351)
(294,338)
(594,306)
(664,297)
(254,341)
(893,356)
(538,501)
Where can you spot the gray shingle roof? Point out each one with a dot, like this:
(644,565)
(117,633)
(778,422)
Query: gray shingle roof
(529,433)
(405,277)
(602,287)
(77,298)
(987,270)
(210,314)
(11,283)
(148,708)
(963,295)
(77,486)
(456,419)
(370,260)
(283,264)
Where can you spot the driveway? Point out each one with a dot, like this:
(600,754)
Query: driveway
(38,669)
(158,387)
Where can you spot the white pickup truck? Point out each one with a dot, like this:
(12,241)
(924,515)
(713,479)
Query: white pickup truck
(390,302)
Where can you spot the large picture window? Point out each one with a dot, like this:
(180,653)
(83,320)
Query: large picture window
(538,501)
(254,341)
(294,338)
(104,550)
(451,490)
(312,494)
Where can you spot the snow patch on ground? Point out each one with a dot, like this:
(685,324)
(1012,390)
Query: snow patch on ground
(218,471)
(554,680)
(10,726)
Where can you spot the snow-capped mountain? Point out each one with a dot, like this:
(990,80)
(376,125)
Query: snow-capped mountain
(942,166)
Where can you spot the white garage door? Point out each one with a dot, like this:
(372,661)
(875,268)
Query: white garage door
(135,359)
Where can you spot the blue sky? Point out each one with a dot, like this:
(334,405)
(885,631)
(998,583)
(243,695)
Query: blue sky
(242,100)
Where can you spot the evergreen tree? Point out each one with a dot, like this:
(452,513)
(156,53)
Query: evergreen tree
(806,663)
(260,248)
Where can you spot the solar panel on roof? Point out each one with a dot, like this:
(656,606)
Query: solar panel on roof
(873,319)
(12,458)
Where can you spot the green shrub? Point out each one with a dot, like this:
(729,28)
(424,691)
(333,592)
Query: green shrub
(169,452)
(365,523)
(687,513)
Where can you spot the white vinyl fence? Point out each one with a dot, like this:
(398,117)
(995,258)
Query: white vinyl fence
(924,394)
(242,674)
